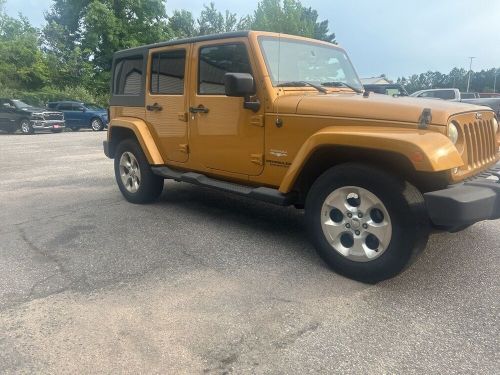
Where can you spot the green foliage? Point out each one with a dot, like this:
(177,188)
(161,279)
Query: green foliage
(482,81)
(182,24)
(70,57)
(22,64)
(290,17)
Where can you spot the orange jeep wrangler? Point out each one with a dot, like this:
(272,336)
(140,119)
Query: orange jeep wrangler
(285,120)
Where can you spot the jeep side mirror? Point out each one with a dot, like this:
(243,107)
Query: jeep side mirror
(242,85)
(239,84)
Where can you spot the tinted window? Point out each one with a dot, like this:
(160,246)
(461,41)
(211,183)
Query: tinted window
(65,107)
(167,72)
(127,78)
(445,94)
(215,61)
(427,94)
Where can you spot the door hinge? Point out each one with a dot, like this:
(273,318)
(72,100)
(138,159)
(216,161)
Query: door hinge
(182,116)
(257,159)
(257,120)
(184,148)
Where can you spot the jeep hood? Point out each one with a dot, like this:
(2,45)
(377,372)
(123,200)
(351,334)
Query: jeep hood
(374,107)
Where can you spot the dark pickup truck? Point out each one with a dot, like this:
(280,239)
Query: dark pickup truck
(17,115)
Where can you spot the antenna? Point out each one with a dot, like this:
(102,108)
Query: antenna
(278,121)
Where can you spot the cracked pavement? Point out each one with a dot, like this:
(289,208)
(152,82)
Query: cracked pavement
(207,282)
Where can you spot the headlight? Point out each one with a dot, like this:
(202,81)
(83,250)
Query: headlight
(453,132)
(495,125)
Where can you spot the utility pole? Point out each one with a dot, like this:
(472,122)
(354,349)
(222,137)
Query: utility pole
(495,81)
(470,71)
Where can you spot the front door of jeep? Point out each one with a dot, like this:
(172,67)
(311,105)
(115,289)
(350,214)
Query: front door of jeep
(224,136)
(166,102)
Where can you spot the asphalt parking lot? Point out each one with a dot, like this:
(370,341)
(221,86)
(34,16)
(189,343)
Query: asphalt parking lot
(207,282)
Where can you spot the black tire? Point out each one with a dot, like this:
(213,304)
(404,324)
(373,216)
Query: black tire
(25,126)
(96,124)
(151,185)
(404,204)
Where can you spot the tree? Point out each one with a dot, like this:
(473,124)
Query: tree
(212,21)
(290,17)
(182,24)
(457,78)
(86,33)
(22,64)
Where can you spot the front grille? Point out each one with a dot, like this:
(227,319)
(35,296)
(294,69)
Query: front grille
(480,143)
(53,116)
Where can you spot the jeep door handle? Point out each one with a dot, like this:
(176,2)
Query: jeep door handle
(200,109)
(154,107)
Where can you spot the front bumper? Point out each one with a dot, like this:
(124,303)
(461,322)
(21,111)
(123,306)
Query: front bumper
(464,204)
(48,124)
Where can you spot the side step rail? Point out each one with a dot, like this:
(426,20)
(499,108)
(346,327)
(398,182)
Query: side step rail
(264,194)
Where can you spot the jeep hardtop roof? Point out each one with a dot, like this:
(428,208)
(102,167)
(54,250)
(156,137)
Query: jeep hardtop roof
(142,49)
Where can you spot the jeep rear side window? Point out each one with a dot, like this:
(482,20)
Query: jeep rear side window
(127,78)
(167,72)
(215,61)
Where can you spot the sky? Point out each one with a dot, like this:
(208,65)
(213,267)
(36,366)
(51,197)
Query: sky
(396,38)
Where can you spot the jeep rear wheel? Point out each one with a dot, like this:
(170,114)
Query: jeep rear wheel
(365,223)
(26,127)
(133,174)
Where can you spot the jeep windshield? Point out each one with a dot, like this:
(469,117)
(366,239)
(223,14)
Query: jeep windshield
(300,63)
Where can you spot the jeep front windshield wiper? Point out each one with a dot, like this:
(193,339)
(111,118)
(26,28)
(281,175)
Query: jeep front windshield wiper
(303,83)
(340,83)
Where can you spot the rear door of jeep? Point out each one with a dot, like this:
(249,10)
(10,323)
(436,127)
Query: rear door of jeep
(166,99)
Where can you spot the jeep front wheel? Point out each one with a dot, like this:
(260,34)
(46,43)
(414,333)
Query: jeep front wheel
(134,177)
(365,223)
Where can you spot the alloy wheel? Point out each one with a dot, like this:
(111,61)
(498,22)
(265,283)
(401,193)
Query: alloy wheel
(356,223)
(130,172)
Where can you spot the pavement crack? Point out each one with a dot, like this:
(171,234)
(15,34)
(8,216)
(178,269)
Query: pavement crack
(41,252)
(292,337)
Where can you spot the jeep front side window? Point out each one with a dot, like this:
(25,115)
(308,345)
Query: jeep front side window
(216,61)
(290,60)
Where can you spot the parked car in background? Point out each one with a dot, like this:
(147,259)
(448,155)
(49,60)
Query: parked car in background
(489,95)
(17,115)
(80,115)
(392,89)
(457,96)
(469,95)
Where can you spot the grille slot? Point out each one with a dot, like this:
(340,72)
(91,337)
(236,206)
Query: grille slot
(53,116)
(480,142)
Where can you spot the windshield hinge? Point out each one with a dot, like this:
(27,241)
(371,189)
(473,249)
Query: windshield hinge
(425,118)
